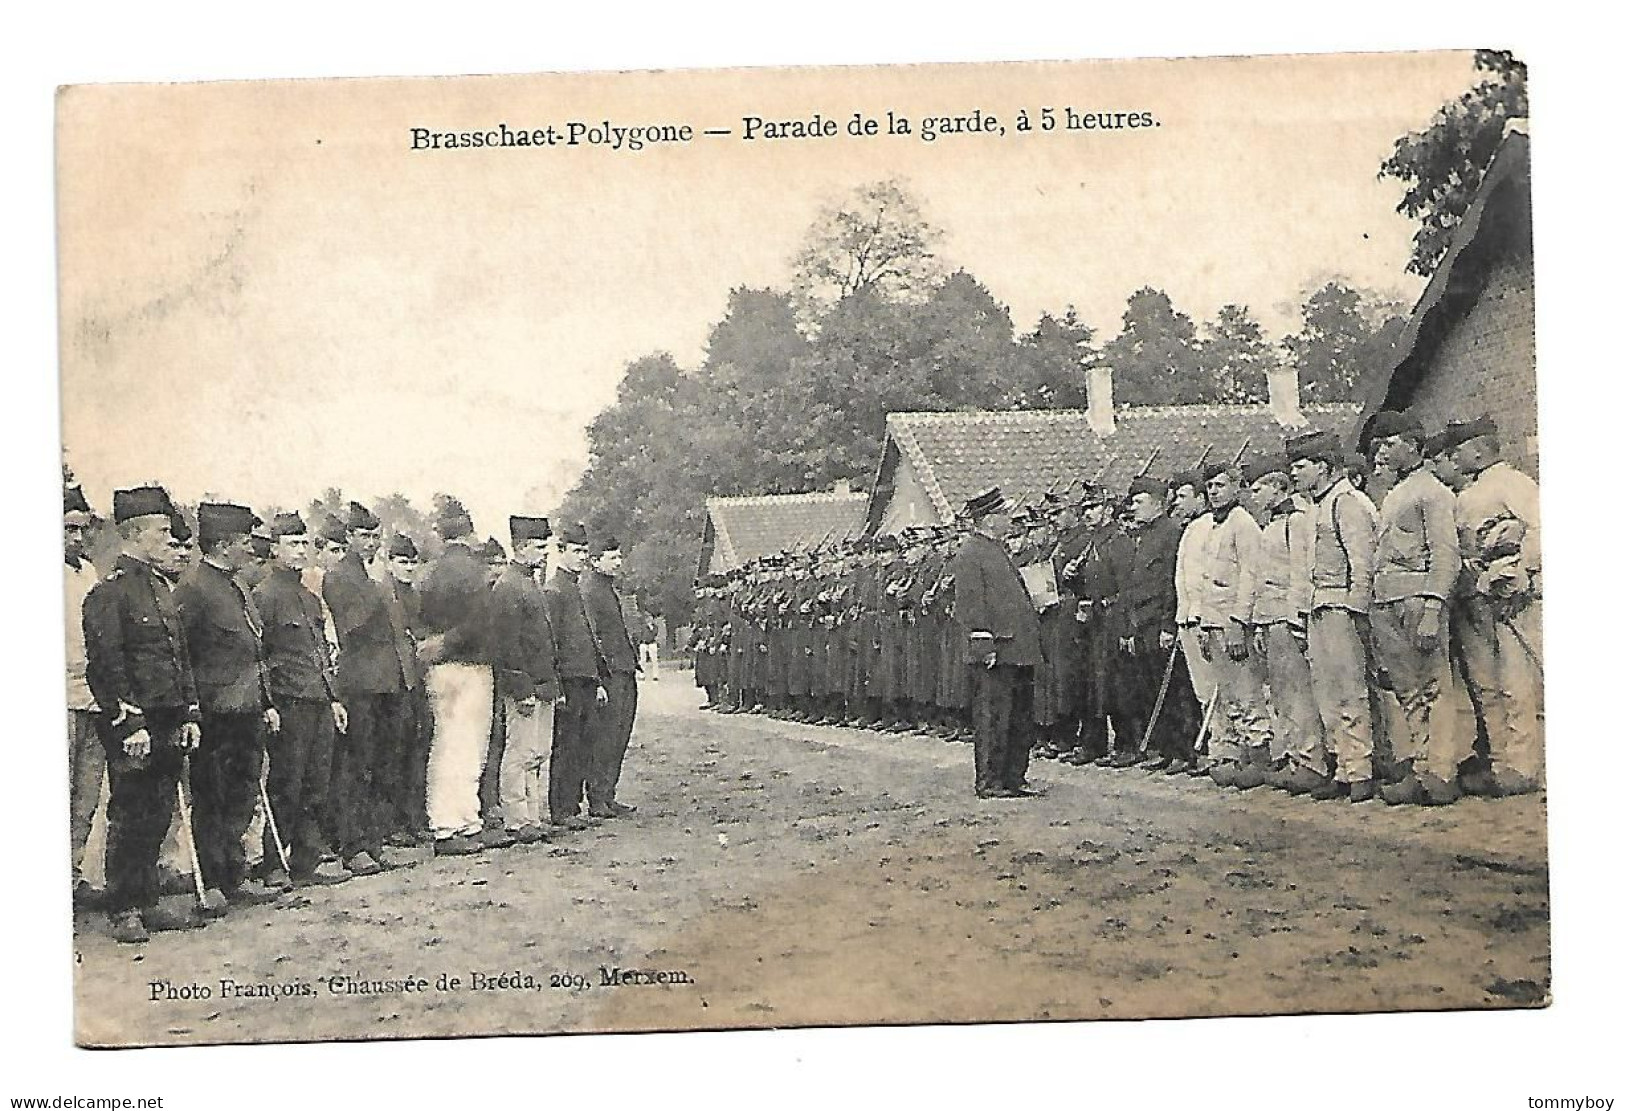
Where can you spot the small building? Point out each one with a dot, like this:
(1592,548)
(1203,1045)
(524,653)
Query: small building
(738,530)
(1469,349)
(933,462)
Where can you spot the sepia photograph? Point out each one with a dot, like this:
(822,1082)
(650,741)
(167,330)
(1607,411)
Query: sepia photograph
(724,549)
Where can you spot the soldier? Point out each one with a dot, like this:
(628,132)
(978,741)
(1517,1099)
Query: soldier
(1280,623)
(1418,560)
(612,720)
(456,654)
(181,551)
(404,792)
(1498,520)
(260,546)
(527,679)
(1091,577)
(1344,551)
(223,633)
(1190,510)
(140,676)
(374,661)
(307,701)
(1149,631)
(87,762)
(581,675)
(1240,746)
(992,606)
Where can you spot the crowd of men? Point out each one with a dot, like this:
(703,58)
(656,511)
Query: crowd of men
(1326,623)
(317,680)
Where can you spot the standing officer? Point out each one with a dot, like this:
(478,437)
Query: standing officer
(456,652)
(581,675)
(1417,562)
(1498,519)
(527,679)
(140,676)
(307,701)
(372,681)
(992,606)
(1341,568)
(224,633)
(87,763)
(612,720)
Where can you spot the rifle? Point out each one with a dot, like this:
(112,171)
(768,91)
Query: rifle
(1245,444)
(1149,459)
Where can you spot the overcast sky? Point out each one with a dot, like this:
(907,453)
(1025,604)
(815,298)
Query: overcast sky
(265,292)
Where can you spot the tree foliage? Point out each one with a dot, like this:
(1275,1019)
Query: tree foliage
(875,242)
(1346,334)
(1443,164)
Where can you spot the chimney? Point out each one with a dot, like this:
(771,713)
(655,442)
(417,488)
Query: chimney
(843,487)
(1284,408)
(1101,418)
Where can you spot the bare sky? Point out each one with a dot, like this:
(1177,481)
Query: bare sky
(265,292)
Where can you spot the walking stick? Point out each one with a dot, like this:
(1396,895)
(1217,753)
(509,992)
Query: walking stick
(181,790)
(1162,694)
(1518,636)
(1207,721)
(276,835)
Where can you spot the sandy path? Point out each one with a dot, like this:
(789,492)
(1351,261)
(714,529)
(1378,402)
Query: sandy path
(786,875)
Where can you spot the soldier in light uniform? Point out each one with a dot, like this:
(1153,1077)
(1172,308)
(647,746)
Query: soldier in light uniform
(1280,622)
(87,762)
(1344,554)
(1498,519)
(1190,509)
(1417,563)
(224,632)
(1240,746)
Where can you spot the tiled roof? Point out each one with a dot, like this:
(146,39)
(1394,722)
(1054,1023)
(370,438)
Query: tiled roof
(1027,453)
(746,528)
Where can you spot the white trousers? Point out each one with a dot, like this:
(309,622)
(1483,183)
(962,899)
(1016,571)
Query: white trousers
(460,697)
(1340,676)
(1503,658)
(523,777)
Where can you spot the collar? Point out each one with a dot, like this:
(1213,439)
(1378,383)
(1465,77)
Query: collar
(75,562)
(1331,488)
(1220,515)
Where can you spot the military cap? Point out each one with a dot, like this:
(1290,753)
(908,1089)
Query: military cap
(73,501)
(1315,445)
(222,521)
(574,533)
(331,530)
(359,516)
(179,530)
(988,501)
(1441,442)
(262,539)
(606,542)
(528,528)
(1192,478)
(401,546)
(288,524)
(142,501)
(1473,429)
(1261,465)
(1146,484)
(1214,470)
(451,520)
(492,550)
(1388,423)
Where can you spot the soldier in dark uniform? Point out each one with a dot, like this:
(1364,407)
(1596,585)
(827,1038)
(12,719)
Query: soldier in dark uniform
(1148,632)
(373,664)
(224,634)
(404,793)
(140,675)
(527,680)
(611,722)
(1001,647)
(1090,576)
(307,701)
(581,675)
(261,544)
(181,552)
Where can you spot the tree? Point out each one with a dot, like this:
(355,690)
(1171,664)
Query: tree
(1443,164)
(1236,357)
(1346,334)
(876,241)
(1052,364)
(1154,358)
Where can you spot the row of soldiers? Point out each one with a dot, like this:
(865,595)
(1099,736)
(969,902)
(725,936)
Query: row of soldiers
(1326,623)
(314,681)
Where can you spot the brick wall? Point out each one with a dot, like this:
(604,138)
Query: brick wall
(1486,366)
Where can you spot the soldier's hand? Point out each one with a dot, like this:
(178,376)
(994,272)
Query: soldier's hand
(273,720)
(991,660)
(138,745)
(1125,644)
(1204,640)
(191,736)
(1165,640)
(1260,641)
(341,717)
(1235,641)
(526,706)
(601,696)
(1429,628)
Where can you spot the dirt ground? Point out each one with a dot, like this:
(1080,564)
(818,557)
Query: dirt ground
(778,874)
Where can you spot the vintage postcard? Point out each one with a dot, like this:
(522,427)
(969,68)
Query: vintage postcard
(755,548)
